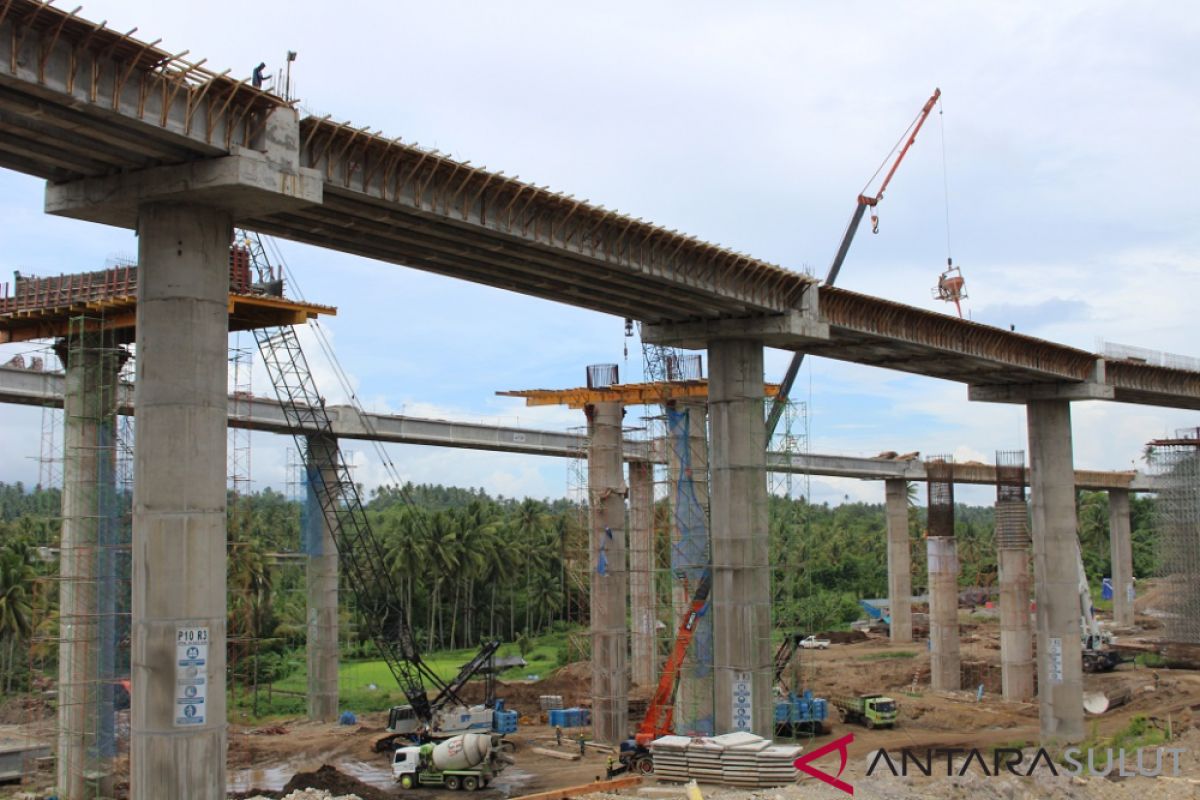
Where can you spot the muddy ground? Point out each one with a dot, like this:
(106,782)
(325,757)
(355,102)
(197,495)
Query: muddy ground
(287,754)
(928,719)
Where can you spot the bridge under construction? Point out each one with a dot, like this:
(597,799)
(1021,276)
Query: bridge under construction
(127,134)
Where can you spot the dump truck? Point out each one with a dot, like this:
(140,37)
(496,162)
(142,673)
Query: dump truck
(469,761)
(872,710)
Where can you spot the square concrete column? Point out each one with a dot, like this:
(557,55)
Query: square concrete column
(88,580)
(178,714)
(945,663)
(1055,539)
(741,585)
(322,584)
(1121,552)
(641,572)
(899,560)
(609,571)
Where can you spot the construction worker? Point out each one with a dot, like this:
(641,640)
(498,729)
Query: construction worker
(558,735)
(581,747)
(609,774)
(257,76)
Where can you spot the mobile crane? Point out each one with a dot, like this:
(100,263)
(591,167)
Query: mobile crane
(446,718)
(660,713)
(359,550)
(864,202)
(1098,655)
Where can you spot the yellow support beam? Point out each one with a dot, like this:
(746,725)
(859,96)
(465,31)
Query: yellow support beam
(246,312)
(629,394)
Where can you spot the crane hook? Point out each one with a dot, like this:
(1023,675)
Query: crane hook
(874,223)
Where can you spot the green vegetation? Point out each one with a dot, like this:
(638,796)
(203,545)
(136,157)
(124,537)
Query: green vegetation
(1149,660)
(470,567)
(369,685)
(886,656)
(1140,732)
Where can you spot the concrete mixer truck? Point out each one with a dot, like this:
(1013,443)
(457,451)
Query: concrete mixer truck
(469,761)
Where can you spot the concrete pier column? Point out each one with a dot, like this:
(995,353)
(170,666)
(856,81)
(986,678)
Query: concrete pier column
(1121,549)
(899,560)
(1052,480)
(87,581)
(178,748)
(945,664)
(610,581)
(641,572)
(741,586)
(691,554)
(322,584)
(1016,635)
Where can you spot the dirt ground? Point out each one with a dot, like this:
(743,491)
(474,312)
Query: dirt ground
(266,761)
(928,719)
(289,754)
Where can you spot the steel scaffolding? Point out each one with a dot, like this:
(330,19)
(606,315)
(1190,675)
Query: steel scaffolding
(1175,464)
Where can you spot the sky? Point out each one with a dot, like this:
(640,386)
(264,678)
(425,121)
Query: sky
(1058,172)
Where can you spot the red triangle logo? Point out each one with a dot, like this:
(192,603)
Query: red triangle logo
(840,745)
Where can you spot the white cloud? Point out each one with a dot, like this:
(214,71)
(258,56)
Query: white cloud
(1069,133)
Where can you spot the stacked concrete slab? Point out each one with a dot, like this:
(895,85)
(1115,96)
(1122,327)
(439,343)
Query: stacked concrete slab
(736,759)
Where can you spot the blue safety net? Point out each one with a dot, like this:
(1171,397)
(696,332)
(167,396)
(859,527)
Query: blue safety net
(689,558)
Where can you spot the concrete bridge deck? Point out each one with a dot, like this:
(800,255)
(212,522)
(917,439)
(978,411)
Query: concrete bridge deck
(36,388)
(87,108)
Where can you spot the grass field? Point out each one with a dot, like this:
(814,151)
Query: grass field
(369,685)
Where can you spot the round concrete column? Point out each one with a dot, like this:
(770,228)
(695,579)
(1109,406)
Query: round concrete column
(641,571)
(322,585)
(177,748)
(609,571)
(1016,634)
(945,664)
(899,561)
(1121,550)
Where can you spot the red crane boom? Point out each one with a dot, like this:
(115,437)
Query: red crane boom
(789,377)
(661,712)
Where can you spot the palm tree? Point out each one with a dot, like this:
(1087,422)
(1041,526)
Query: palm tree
(475,525)
(407,550)
(547,597)
(528,525)
(493,554)
(17,578)
(443,560)
(250,587)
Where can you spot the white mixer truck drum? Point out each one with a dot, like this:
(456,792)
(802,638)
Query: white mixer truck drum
(462,752)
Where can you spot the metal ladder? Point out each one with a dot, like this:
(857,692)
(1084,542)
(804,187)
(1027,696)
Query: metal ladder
(341,504)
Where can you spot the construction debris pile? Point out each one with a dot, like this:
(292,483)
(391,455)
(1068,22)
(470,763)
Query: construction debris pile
(310,794)
(735,759)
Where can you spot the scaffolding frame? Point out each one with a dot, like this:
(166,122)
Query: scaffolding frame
(1012,514)
(939,472)
(1175,464)
(84,642)
(576,556)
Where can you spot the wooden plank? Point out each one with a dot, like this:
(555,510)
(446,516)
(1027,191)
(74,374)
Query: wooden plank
(587,788)
(564,755)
